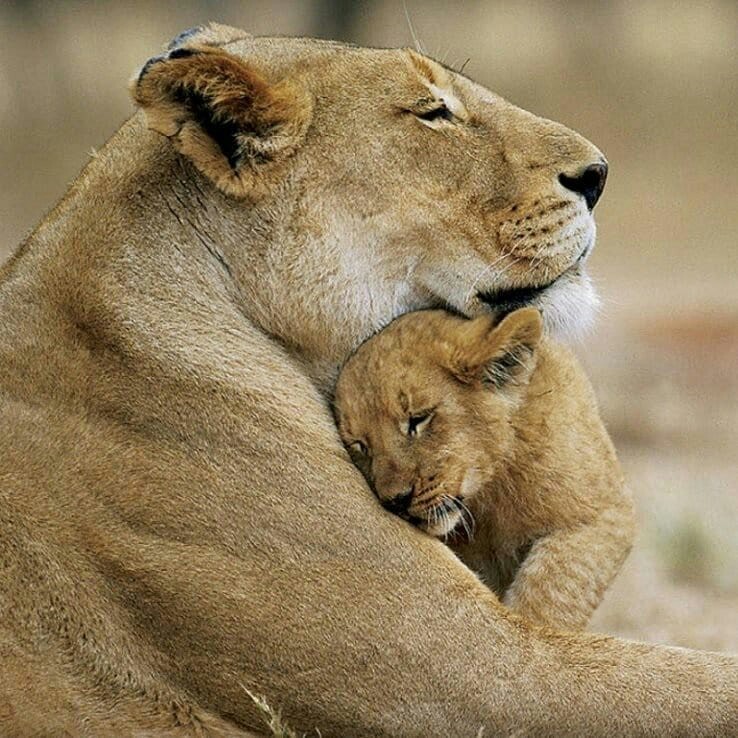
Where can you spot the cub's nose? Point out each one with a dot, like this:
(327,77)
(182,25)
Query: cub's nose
(589,182)
(399,504)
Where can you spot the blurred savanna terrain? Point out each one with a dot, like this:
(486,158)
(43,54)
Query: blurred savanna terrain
(654,84)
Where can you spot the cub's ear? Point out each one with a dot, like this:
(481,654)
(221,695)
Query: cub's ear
(500,355)
(222,113)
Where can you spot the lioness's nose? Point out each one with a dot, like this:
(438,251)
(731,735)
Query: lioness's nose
(589,182)
(398,504)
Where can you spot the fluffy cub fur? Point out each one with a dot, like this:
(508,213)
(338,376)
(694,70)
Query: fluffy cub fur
(485,436)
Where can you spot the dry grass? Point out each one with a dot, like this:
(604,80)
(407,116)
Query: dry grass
(655,85)
(272,718)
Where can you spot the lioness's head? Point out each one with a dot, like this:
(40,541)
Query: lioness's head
(352,185)
(424,408)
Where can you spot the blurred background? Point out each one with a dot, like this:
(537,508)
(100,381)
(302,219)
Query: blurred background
(654,84)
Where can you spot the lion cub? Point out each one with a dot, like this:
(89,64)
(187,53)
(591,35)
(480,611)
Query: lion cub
(488,437)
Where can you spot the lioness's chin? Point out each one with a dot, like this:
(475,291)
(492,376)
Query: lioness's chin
(569,304)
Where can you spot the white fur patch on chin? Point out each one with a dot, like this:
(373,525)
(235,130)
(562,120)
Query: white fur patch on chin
(569,307)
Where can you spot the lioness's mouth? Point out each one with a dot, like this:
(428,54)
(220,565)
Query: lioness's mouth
(504,301)
(507,300)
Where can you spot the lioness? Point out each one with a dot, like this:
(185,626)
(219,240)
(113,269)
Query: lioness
(175,497)
(459,423)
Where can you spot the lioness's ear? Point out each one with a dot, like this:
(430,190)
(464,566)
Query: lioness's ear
(222,113)
(498,355)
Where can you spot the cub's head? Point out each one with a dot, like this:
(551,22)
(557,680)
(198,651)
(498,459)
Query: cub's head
(353,185)
(424,408)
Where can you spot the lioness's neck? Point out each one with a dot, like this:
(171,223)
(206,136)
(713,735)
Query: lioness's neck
(170,236)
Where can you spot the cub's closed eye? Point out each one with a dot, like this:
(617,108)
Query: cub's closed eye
(418,422)
(358,447)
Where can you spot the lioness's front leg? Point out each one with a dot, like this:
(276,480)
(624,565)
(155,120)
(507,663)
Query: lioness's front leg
(565,574)
(416,648)
(346,618)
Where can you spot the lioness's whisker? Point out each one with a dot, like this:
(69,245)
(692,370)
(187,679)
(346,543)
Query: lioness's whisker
(482,274)
(498,276)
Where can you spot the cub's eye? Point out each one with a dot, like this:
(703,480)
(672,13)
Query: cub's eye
(417,423)
(440,112)
(359,448)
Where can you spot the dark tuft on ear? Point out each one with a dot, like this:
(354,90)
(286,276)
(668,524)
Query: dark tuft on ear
(508,367)
(222,113)
(180,53)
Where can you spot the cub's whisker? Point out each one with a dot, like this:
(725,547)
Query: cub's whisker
(467,519)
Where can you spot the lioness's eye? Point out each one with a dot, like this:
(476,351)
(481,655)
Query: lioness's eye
(417,423)
(358,448)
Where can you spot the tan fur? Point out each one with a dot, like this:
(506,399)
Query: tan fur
(179,521)
(499,447)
